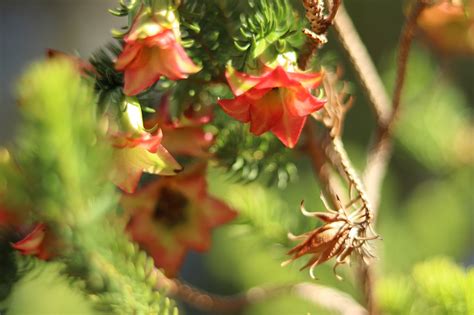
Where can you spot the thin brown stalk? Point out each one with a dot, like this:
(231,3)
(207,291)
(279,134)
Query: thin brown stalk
(319,20)
(327,298)
(316,151)
(376,167)
(363,65)
(380,153)
(367,276)
(406,40)
(352,176)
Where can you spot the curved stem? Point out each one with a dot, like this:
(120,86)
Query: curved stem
(316,153)
(363,65)
(380,152)
(328,298)
(352,176)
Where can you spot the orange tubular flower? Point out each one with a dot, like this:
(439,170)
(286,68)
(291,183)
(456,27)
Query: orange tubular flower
(137,150)
(151,50)
(174,214)
(186,136)
(277,101)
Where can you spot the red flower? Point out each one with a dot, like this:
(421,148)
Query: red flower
(137,150)
(39,242)
(185,136)
(174,214)
(152,50)
(277,101)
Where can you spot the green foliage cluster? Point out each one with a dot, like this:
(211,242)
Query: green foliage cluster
(247,157)
(436,286)
(57,174)
(108,81)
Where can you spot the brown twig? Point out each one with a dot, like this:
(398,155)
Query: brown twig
(363,65)
(328,298)
(316,151)
(376,167)
(380,152)
(408,34)
(319,20)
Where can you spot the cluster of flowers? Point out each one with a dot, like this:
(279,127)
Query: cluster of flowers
(174,212)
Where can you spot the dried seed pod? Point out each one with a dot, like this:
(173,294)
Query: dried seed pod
(342,234)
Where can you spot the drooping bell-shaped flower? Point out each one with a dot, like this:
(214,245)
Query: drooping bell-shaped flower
(153,49)
(173,215)
(186,135)
(137,150)
(277,100)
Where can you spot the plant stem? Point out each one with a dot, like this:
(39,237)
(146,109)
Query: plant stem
(363,65)
(327,298)
(380,152)
(316,153)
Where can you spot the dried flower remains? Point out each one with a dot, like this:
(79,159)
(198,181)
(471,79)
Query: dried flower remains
(344,232)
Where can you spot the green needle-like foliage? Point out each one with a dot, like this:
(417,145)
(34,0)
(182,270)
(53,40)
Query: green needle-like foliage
(269,24)
(119,277)
(248,157)
(437,286)
(58,138)
(61,158)
(109,82)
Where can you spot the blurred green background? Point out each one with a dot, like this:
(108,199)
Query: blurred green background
(426,214)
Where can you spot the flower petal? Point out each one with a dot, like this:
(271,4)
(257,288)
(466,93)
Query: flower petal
(265,112)
(240,82)
(174,63)
(238,108)
(31,244)
(191,141)
(307,80)
(128,54)
(130,163)
(299,102)
(276,78)
(219,212)
(288,129)
(141,73)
